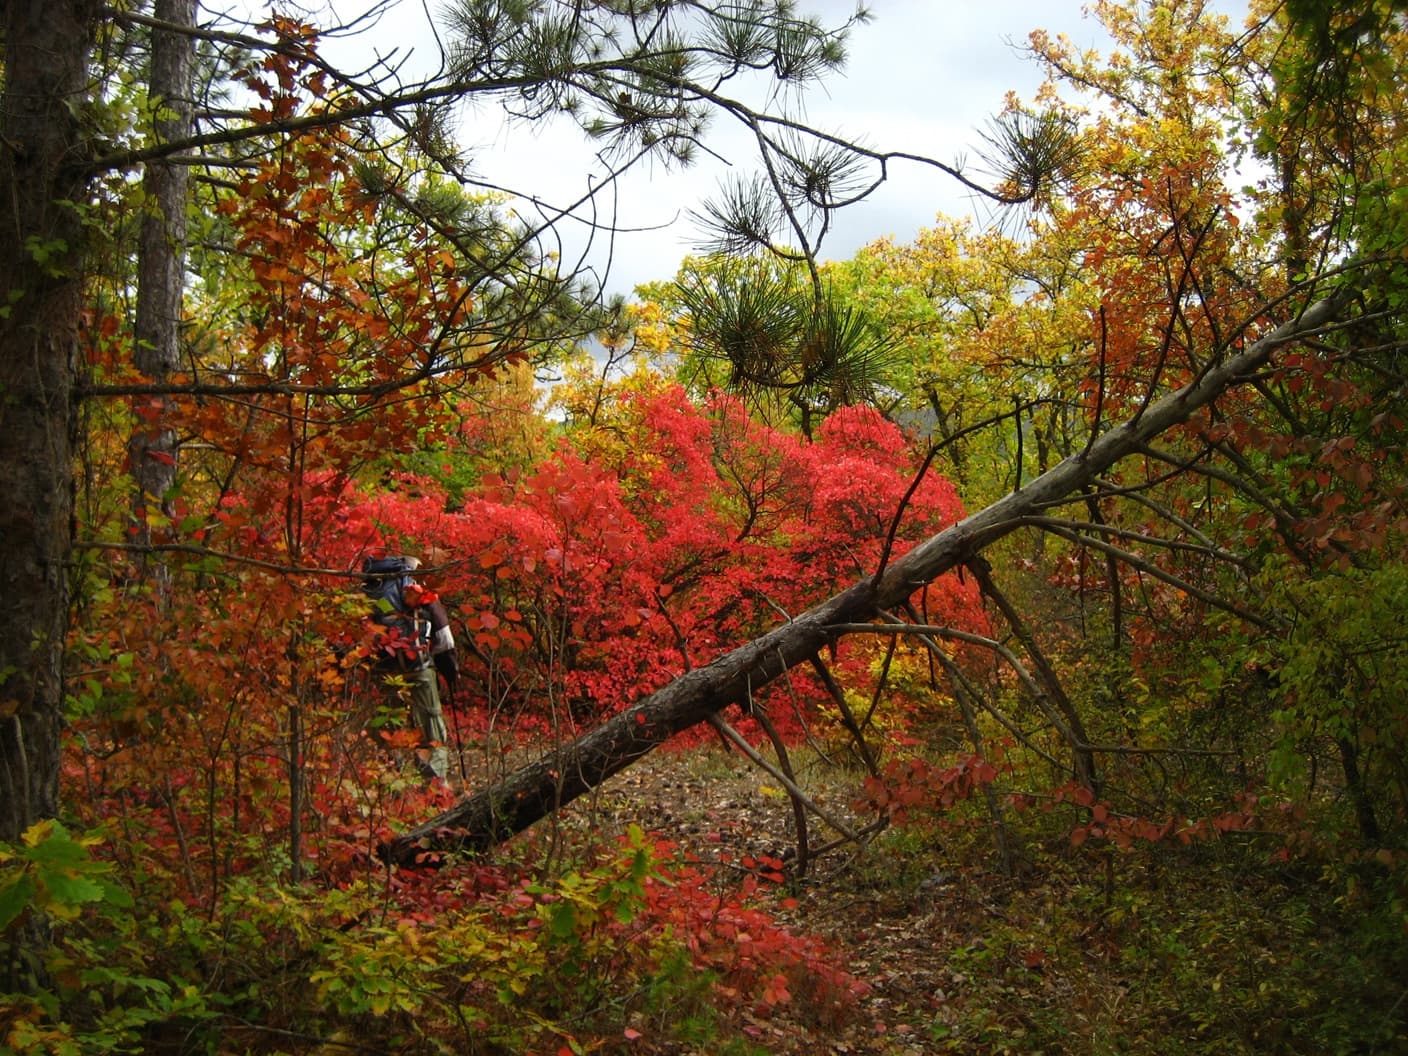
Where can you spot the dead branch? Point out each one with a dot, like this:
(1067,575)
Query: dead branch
(1152,570)
(741,743)
(493,814)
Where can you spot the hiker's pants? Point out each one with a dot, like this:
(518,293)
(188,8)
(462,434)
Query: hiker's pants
(433,755)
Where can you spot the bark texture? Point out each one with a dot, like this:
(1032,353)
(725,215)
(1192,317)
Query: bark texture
(161,265)
(43,183)
(493,814)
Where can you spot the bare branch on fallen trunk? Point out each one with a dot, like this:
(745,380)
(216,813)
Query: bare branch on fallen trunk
(493,814)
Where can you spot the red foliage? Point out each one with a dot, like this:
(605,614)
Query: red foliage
(909,785)
(1102,822)
(574,589)
(222,731)
(608,581)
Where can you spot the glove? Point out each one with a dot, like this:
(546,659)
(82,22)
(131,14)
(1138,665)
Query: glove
(448,667)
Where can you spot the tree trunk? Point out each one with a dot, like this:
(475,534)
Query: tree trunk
(43,183)
(161,265)
(493,814)
(1358,793)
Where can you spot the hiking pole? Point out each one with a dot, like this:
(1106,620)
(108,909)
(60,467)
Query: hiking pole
(455,727)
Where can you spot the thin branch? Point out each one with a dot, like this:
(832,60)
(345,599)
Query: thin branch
(206,551)
(741,743)
(784,764)
(1206,550)
(966,699)
(927,632)
(1108,488)
(1150,569)
(1074,728)
(1283,516)
(848,720)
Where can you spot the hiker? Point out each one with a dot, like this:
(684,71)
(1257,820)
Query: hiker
(413,643)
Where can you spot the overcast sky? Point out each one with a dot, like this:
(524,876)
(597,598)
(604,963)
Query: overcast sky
(923,77)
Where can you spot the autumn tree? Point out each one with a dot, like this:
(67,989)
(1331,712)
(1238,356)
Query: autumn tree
(1163,280)
(990,331)
(162,255)
(357,277)
(645,82)
(1170,247)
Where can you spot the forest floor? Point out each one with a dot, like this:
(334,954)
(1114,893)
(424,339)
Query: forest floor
(894,925)
(1216,947)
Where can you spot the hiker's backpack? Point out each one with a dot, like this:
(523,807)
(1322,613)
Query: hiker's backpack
(401,639)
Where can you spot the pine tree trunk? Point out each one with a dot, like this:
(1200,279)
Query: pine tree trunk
(43,183)
(161,264)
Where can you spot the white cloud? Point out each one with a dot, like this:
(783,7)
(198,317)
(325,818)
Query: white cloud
(923,77)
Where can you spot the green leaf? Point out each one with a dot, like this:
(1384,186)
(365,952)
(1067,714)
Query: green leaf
(69,891)
(15,895)
(51,845)
(115,894)
(562,920)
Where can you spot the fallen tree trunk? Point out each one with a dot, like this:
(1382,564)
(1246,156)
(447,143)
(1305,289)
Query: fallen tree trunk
(493,814)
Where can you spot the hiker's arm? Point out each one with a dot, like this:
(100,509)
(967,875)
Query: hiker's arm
(442,643)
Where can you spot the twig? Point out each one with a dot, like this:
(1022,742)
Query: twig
(741,743)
